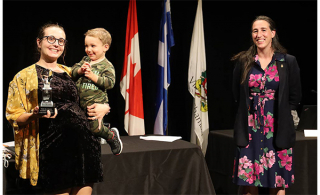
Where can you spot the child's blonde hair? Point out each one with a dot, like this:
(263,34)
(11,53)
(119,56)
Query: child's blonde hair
(101,34)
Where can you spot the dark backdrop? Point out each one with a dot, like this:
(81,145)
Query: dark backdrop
(227,31)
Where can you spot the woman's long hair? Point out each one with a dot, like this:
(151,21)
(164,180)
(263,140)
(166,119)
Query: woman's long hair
(246,58)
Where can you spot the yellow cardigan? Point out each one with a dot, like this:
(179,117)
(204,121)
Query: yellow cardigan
(22,98)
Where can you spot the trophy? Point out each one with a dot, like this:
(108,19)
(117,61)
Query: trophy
(46,103)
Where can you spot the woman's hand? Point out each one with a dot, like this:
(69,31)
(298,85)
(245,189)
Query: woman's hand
(48,115)
(26,118)
(98,111)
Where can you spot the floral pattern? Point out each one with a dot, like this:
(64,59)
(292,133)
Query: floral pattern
(22,98)
(260,163)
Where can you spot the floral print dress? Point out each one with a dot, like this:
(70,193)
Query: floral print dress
(260,163)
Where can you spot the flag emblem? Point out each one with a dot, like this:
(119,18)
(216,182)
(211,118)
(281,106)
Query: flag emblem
(201,91)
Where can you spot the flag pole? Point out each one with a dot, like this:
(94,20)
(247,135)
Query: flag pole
(167,129)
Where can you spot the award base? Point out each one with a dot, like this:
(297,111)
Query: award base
(43,110)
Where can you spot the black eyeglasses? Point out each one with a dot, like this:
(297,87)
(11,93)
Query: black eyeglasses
(51,39)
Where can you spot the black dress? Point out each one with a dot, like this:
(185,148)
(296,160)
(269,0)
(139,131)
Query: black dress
(69,153)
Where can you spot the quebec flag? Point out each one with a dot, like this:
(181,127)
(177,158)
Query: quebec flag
(166,41)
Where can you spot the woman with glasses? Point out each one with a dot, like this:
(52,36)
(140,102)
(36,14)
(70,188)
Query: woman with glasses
(56,149)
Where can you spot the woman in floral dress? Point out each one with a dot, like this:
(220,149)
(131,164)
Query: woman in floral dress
(267,89)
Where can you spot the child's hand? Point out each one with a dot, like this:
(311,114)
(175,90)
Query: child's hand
(83,68)
(90,75)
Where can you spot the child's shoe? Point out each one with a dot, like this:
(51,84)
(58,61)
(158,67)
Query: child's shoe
(115,142)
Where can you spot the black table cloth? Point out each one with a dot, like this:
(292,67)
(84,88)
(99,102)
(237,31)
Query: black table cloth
(154,167)
(143,167)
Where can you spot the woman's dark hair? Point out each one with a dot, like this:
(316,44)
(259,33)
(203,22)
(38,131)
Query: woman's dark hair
(41,35)
(247,57)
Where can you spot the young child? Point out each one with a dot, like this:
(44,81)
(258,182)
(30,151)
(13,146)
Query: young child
(94,74)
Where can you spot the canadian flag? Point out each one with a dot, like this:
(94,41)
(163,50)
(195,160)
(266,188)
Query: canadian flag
(130,83)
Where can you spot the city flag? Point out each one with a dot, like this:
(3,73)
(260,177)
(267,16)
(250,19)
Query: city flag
(130,82)
(197,79)
(166,41)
